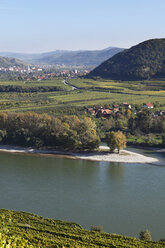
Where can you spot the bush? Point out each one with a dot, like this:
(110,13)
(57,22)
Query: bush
(145,235)
(96,228)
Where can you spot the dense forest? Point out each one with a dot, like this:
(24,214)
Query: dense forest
(143,61)
(39,130)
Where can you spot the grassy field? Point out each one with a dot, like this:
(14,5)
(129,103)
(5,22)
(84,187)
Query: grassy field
(133,85)
(55,82)
(89,93)
(49,233)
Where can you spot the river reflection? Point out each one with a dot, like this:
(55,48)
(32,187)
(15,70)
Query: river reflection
(116,171)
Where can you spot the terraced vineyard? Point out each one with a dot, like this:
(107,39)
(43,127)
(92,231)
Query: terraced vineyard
(35,231)
(54,96)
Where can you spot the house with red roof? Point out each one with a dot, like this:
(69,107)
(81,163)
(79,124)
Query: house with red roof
(148,105)
(105,112)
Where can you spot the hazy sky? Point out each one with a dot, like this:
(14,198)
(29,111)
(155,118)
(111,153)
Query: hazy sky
(46,25)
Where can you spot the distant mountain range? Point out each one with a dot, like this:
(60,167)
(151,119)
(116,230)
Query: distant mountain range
(69,58)
(143,61)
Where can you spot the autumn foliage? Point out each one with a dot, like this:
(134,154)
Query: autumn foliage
(116,140)
(40,130)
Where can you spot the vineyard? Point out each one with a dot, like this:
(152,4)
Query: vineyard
(57,97)
(21,229)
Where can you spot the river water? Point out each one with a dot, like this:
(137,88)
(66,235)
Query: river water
(123,198)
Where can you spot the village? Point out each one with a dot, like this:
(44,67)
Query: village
(100,111)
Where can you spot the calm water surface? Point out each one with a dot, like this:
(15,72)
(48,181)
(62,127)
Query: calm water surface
(123,198)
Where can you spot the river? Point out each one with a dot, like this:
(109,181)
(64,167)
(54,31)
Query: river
(123,198)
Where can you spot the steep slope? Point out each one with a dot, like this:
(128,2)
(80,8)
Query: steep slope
(143,61)
(34,231)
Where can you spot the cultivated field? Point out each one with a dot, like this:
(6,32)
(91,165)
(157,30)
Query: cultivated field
(55,97)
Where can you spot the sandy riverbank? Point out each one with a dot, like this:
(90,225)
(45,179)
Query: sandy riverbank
(101,155)
(124,157)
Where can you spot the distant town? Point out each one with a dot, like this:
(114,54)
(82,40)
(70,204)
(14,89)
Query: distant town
(43,72)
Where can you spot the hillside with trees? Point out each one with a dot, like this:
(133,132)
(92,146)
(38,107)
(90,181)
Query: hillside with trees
(143,61)
(77,58)
(7,62)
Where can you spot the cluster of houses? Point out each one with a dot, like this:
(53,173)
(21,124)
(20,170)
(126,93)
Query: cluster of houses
(44,72)
(106,112)
(20,69)
(13,69)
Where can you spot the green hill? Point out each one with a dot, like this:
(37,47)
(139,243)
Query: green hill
(7,62)
(22,229)
(143,61)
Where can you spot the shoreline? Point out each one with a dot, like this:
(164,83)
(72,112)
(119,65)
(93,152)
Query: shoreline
(102,155)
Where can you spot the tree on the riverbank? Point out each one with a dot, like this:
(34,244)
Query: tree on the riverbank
(145,235)
(116,140)
(111,141)
(163,140)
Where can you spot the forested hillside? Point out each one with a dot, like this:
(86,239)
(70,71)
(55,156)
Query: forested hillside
(143,61)
(6,62)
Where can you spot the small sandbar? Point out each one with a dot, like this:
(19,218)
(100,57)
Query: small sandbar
(123,157)
(102,155)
